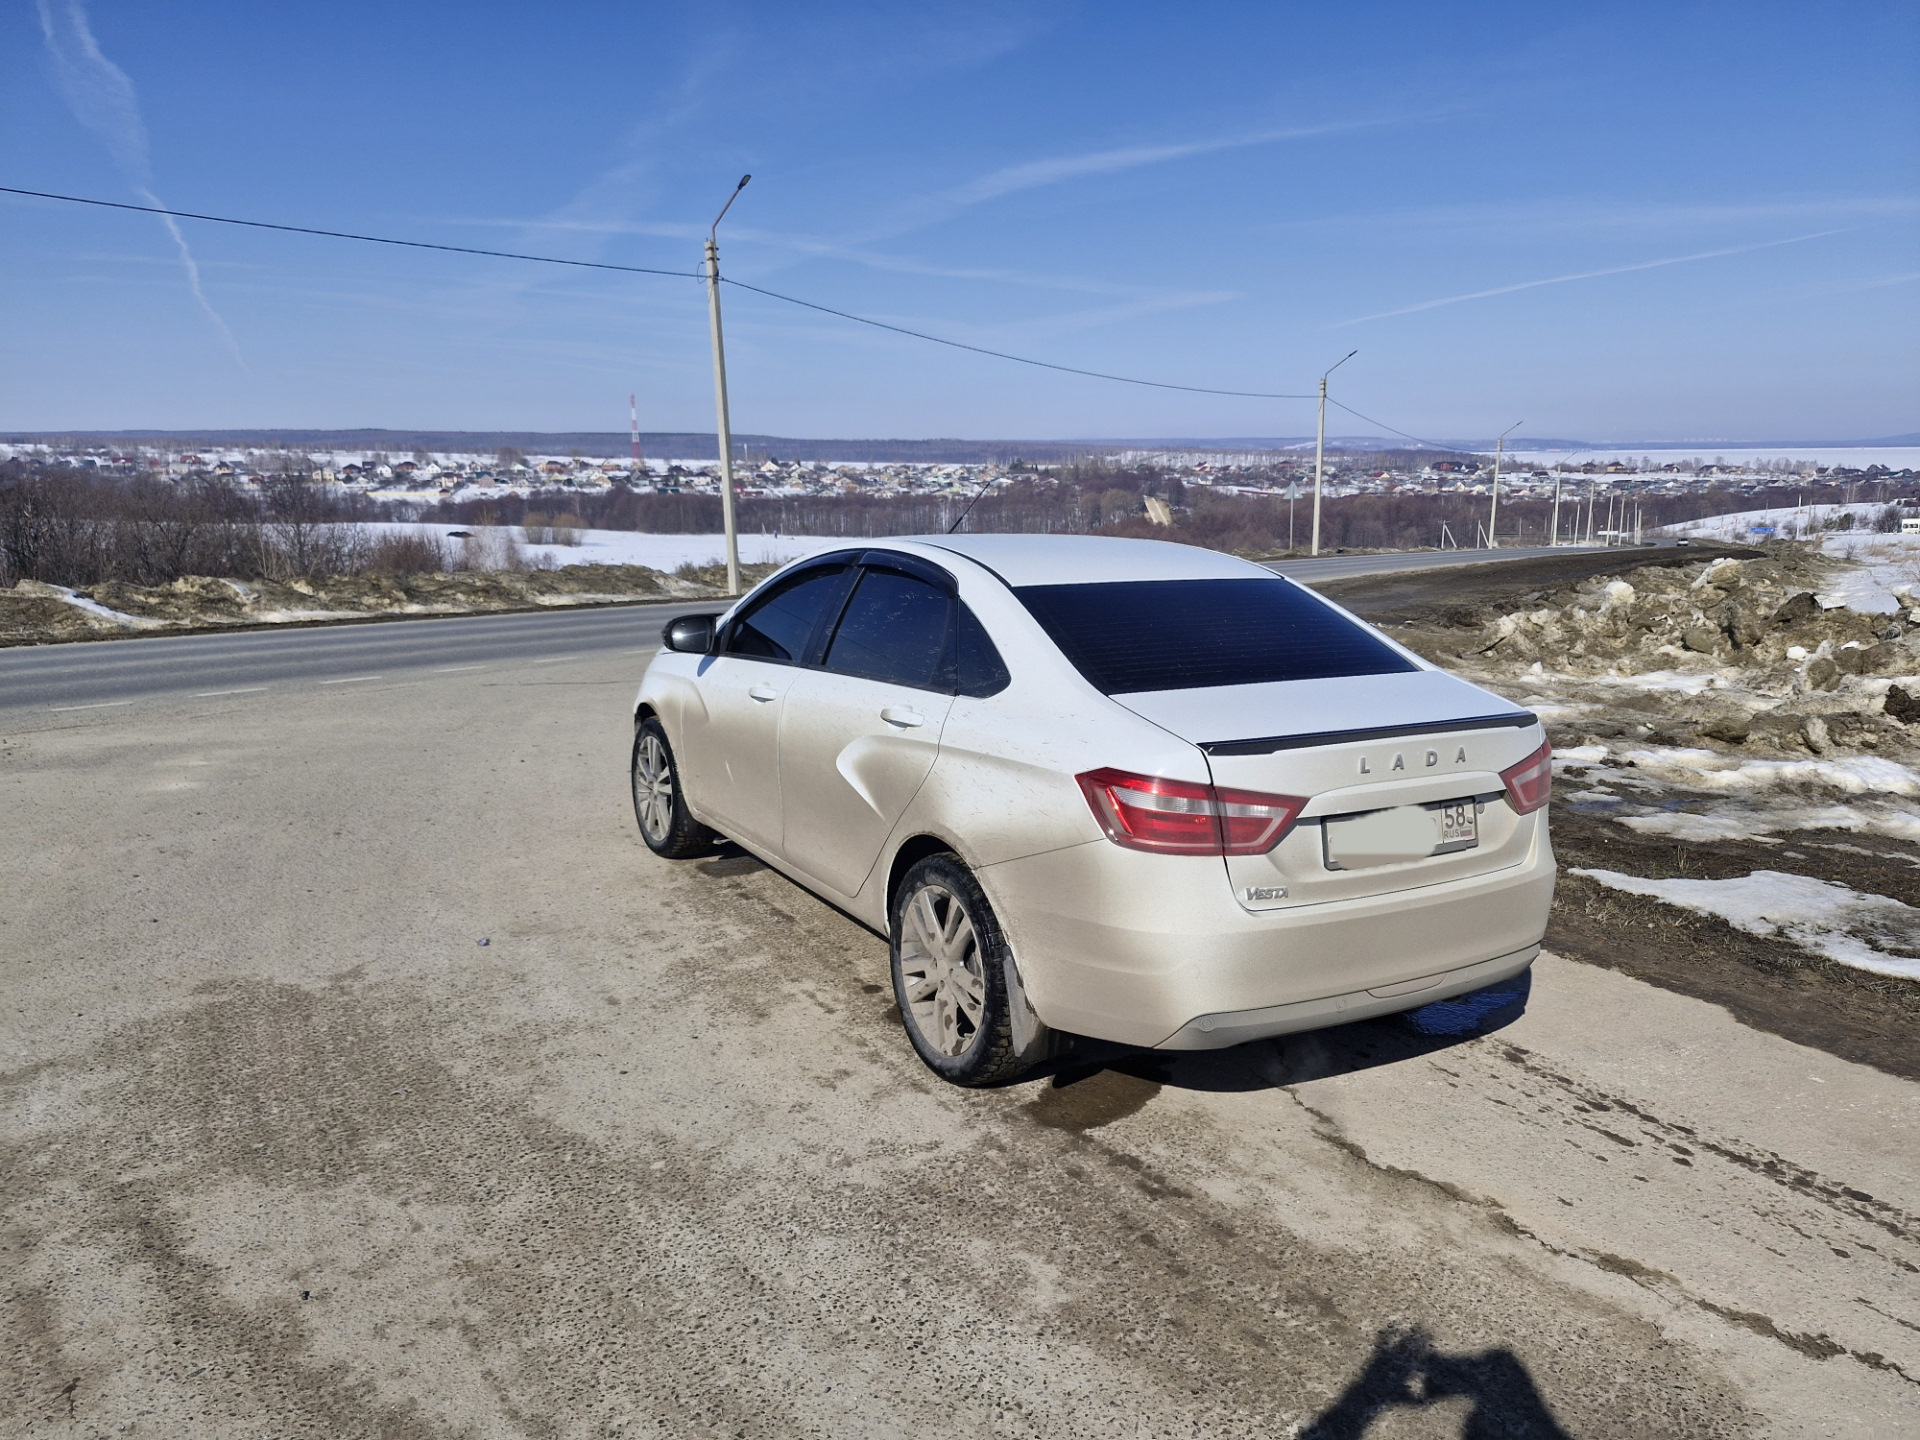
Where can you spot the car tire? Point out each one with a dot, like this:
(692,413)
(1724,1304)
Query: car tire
(949,974)
(659,804)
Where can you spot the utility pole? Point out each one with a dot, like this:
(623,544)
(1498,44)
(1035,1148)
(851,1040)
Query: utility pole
(1493,513)
(1559,474)
(1320,447)
(725,435)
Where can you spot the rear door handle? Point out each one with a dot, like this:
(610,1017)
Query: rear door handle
(764,692)
(899,715)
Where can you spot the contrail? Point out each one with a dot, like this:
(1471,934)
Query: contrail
(102,99)
(1584,275)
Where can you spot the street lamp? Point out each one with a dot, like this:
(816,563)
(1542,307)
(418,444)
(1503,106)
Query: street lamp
(1320,447)
(725,435)
(1493,513)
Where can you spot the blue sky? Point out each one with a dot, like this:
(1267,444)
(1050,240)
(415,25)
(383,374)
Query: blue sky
(1661,221)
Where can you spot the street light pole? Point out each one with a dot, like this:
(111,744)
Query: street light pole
(1320,447)
(1493,512)
(725,435)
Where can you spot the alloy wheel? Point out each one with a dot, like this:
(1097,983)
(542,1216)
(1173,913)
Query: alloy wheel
(653,788)
(940,963)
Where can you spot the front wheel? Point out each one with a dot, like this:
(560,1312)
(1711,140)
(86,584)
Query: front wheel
(658,802)
(949,975)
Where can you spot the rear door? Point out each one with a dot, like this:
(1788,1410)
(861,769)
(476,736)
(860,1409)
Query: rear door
(859,734)
(730,762)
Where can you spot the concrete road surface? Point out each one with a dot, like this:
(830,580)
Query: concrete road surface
(365,1076)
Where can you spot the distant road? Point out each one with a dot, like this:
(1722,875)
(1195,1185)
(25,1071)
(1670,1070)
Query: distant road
(104,674)
(1340,567)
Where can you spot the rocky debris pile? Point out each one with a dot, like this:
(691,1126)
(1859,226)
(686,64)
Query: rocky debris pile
(36,613)
(1738,653)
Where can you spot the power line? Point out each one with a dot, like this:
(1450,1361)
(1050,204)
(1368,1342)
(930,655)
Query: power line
(1003,355)
(676,274)
(1438,445)
(346,235)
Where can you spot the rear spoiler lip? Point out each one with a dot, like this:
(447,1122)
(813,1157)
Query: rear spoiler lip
(1270,744)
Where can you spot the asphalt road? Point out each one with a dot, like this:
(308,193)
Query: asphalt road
(1341,567)
(106,674)
(365,1075)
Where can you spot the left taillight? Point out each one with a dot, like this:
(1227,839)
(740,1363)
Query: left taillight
(1179,817)
(1530,782)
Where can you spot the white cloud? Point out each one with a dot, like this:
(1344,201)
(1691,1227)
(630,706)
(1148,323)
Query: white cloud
(1056,170)
(1583,275)
(102,99)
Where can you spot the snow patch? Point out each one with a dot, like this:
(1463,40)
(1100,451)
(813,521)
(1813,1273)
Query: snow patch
(1840,923)
(657,552)
(1710,770)
(1701,827)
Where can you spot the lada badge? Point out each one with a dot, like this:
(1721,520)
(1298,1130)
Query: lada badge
(1404,760)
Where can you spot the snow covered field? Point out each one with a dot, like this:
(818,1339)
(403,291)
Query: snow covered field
(659,552)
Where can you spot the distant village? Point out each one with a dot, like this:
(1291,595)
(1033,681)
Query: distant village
(430,478)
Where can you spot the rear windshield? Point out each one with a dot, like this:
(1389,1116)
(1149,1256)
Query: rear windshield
(1134,635)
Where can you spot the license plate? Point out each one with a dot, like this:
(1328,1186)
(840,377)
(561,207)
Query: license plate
(1400,835)
(1459,826)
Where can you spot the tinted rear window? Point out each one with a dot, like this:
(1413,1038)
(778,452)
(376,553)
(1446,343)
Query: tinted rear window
(1135,635)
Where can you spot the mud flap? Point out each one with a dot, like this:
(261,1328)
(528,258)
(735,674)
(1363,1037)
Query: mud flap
(1033,1041)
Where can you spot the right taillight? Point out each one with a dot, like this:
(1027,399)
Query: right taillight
(1530,782)
(1179,817)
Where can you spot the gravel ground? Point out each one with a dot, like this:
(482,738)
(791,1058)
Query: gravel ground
(366,1076)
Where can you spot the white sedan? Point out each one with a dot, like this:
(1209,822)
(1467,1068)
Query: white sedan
(1116,788)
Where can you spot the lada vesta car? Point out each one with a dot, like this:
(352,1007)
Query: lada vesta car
(1116,788)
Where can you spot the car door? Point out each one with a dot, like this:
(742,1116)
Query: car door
(731,764)
(860,731)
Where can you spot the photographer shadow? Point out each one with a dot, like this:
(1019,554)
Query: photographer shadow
(1405,1372)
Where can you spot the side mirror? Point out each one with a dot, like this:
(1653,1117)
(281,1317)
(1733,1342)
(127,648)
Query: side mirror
(690,634)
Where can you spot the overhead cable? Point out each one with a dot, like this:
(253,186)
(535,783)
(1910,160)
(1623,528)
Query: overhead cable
(686,275)
(1418,439)
(347,235)
(1003,355)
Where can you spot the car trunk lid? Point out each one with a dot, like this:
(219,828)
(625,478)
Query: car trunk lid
(1397,770)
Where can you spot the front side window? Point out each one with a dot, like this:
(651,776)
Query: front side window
(1130,636)
(894,629)
(778,627)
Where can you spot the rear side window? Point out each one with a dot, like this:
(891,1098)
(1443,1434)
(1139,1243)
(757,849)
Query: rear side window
(978,669)
(778,627)
(894,629)
(1136,635)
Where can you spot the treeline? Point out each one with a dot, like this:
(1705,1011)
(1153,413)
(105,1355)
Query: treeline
(1111,500)
(73,528)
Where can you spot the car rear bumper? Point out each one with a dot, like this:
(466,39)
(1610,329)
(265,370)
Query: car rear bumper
(1153,950)
(1216,1032)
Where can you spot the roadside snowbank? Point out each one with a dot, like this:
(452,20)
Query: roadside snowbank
(632,547)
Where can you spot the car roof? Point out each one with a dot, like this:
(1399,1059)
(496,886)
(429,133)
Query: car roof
(1086,559)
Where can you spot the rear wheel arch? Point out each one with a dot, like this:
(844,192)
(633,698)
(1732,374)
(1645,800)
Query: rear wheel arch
(911,852)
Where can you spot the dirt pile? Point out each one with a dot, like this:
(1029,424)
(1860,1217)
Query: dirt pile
(1728,652)
(32,613)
